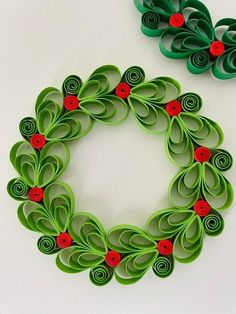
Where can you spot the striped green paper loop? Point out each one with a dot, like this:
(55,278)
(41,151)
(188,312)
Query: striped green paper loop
(163,266)
(133,76)
(18,189)
(47,245)
(72,85)
(222,160)
(100,275)
(193,37)
(28,127)
(213,224)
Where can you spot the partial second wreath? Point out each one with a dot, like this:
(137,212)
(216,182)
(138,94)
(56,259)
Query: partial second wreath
(197,194)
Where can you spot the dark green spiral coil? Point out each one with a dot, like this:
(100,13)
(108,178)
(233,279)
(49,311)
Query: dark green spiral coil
(71,85)
(134,76)
(163,266)
(28,127)
(222,160)
(101,275)
(213,224)
(18,189)
(47,245)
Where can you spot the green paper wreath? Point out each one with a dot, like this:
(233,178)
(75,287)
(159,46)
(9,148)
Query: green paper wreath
(198,192)
(186,30)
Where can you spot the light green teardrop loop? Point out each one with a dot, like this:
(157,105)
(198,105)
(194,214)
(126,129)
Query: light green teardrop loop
(112,74)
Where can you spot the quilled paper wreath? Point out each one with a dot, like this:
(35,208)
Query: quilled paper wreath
(186,30)
(197,193)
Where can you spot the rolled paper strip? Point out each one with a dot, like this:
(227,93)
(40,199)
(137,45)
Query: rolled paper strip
(72,85)
(37,141)
(202,154)
(202,208)
(101,274)
(28,127)
(134,76)
(36,194)
(213,224)
(113,258)
(199,62)
(217,48)
(165,247)
(150,24)
(47,245)
(174,108)
(64,240)
(71,102)
(18,189)
(222,160)
(123,90)
(190,102)
(163,266)
(176,20)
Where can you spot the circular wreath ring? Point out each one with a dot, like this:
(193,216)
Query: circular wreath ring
(197,193)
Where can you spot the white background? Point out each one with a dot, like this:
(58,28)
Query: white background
(120,174)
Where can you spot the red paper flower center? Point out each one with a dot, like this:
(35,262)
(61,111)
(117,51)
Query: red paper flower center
(113,258)
(64,240)
(174,108)
(217,48)
(71,102)
(202,154)
(37,141)
(176,20)
(123,90)
(165,247)
(202,208)
(36,194)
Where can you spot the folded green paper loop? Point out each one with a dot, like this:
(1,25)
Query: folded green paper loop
(197,192)
(186,31)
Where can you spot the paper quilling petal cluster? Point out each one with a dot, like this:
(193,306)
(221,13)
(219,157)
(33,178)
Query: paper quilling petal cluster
(186,30)
(197,193)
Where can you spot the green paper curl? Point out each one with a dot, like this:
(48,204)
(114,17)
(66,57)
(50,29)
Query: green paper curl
(133,76)
(222,160)
(213,224)
(47,245)
(72,85)
(100,275)
(18,189)
(163,266)
(28,127)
